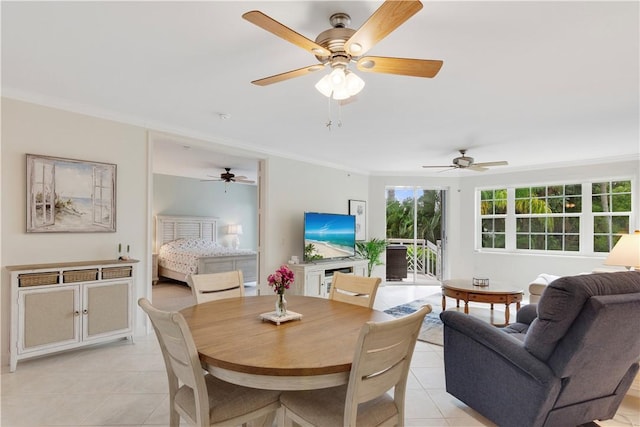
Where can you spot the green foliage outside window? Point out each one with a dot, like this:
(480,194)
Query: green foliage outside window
(611,206)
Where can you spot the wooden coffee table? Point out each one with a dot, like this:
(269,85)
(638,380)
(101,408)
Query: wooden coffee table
(495,293)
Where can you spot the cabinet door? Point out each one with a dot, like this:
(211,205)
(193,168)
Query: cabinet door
(360,269)
(106,309)
(48,318)
(314,283)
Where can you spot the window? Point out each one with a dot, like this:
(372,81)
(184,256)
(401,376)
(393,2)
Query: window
(611,207)
(572,218)
(548,218)
(493,210)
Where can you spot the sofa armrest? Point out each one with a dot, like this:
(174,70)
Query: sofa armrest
(527,314)
(505,345)
(484,366)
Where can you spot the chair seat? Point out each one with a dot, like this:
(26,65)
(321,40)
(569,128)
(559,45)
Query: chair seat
(227,401)
(325,407)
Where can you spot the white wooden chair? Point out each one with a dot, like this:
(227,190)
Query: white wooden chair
(358,290)
(381,362)
(198,397)
(214,286)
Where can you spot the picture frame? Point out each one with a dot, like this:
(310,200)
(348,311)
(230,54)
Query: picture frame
(70,196)
(358,208)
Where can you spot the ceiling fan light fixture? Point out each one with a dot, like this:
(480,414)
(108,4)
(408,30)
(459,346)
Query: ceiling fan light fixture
(341,93)
(353,83)
(337,77)
(324,86)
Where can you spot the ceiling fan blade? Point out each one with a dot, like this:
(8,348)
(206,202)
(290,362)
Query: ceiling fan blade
(485,164)
(271,25)
(477,167)
(401,66)
(244,181)
(387,18)
(287,75)
(441,166)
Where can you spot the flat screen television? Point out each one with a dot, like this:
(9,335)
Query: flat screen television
(329,236)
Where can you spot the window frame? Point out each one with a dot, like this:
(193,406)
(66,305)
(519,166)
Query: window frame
(586,217)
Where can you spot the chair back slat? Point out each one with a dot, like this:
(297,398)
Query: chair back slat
(358,290)
(215,286)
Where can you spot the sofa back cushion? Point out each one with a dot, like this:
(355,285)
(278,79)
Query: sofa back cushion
(563,301)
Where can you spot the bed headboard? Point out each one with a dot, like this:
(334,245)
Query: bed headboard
(175,227)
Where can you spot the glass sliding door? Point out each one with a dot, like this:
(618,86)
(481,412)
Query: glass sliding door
(414,220)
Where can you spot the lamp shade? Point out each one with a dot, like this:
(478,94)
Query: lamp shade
(626,252)
(234,229)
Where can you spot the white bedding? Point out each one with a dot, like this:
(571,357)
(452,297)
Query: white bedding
(182,255)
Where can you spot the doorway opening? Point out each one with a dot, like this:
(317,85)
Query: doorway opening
(415,234)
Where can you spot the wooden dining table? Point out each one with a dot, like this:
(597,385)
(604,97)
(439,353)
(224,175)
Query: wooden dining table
(316,351)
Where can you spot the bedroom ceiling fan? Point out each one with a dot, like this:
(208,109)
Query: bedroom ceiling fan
(339,46)
(465,162)
(227,176)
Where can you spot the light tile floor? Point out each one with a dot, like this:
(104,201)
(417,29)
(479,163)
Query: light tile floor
(125,384)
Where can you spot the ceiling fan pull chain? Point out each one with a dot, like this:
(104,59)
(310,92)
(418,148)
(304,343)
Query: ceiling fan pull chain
(328,124)
(339,114)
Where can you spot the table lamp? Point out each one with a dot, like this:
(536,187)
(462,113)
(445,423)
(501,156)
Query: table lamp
(626,252)
(235,230)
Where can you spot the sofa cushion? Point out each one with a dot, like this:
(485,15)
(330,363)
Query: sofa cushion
(564,299)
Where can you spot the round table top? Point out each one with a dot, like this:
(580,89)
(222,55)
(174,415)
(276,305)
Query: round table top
(230,334)
(466,285)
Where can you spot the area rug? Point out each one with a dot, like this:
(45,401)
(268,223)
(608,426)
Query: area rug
(432,327)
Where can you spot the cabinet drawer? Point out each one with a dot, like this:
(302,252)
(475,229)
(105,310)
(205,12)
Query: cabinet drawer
(73,276)
(116,272)
(488,298)
(38,279)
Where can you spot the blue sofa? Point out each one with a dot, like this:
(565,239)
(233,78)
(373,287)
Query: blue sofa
(566,361)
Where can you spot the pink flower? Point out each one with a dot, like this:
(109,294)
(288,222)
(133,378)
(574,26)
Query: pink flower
(281,279)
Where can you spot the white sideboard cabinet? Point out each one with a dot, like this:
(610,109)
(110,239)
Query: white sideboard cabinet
(314,279)
(57,307)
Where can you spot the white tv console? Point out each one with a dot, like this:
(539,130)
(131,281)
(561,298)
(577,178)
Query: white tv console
(314,278)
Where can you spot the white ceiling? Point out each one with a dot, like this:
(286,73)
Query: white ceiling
(533,83)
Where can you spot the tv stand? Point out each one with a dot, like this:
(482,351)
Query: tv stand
(314,279)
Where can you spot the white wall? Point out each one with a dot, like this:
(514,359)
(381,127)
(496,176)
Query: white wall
(230,203)
(294,187)
(28,128)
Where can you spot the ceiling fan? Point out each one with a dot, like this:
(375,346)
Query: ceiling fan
(340,45)
(227,177)
(464,162)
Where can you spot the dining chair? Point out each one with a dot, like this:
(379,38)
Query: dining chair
(381,362)
(214,286)
(353,289)
(198,397)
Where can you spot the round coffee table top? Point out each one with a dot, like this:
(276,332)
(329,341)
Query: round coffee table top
(466,285)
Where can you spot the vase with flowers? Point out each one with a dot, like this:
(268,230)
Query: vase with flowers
(280,281)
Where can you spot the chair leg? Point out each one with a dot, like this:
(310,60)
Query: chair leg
(174,417)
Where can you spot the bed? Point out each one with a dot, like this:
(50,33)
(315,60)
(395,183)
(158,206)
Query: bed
(188,245)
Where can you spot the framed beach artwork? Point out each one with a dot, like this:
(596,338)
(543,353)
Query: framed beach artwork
(67,195)
(358,208)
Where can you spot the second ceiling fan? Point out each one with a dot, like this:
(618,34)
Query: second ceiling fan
(339,46)
(465,162)
(227,176)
